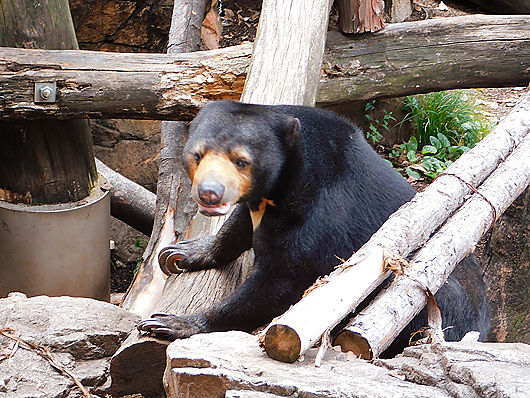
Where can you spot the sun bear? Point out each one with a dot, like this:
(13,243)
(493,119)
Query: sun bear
(308,190)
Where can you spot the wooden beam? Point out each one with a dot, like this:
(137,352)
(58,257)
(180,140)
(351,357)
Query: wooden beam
(403,59)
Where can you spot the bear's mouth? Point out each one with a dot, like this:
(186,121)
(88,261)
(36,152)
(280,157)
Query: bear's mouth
(214,210)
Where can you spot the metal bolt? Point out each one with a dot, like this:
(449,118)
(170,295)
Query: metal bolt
(46,92)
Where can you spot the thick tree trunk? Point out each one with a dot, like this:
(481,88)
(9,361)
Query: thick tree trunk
(505,257)
(405,231)
(287,56)
(52,161)
(403,59)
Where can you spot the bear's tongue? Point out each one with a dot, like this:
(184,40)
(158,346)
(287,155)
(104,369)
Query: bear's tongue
(219,210)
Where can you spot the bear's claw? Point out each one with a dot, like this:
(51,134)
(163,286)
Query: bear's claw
(173,327)
(168,258)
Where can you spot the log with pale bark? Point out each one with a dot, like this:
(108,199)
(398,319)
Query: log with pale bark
(403,59)
(372,331)
(405,231)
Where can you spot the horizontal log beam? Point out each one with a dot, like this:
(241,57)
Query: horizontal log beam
(403,59)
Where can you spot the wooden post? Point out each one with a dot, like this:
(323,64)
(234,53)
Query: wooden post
(359,16)
(43,162)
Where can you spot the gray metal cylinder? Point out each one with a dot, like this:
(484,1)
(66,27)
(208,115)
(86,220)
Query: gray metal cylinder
(56,250)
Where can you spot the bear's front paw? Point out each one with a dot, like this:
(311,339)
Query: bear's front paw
(192,255)
(172,327)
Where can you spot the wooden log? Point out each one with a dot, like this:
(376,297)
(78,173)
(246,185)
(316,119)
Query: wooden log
(359,16)
(288,51)
(372,331)
(129,201)
(406,230)
(52,161)
(403,59)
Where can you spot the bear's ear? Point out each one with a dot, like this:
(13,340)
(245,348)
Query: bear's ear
(291,132)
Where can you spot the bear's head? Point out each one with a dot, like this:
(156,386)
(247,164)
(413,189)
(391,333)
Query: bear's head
(235,153)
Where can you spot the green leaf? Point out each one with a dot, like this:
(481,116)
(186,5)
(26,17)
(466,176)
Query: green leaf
(435,142)
(411,156)
(412,173)
(429,150)
(444,140)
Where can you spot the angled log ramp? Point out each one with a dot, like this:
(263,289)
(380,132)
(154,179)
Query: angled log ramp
(403,59)
(372,331)
(405,231)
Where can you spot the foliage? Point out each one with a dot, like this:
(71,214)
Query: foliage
(139,245)
(446,125)
(373,130)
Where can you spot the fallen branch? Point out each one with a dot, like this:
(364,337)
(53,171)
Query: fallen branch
(48,355)
(129,201)
(406,230)
(380,323)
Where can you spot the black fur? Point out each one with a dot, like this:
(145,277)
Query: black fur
(331,192)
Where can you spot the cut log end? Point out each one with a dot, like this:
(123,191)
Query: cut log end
(282,343)
(354,342)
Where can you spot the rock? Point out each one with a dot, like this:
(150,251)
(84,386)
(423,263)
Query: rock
(231,363)
(82,334)
(504,254)
(468,369)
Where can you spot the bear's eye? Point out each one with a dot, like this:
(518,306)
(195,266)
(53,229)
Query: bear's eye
(197,157)
(241,163)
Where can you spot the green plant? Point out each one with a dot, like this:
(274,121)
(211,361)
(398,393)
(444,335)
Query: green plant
(373,130)
(451,113)
(446,124)
(139,245)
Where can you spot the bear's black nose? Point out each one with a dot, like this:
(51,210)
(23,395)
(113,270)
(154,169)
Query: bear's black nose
(211,192)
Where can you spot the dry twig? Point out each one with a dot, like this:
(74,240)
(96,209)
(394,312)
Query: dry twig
(46,354)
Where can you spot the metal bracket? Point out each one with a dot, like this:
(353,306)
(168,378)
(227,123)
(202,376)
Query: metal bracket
(45,92)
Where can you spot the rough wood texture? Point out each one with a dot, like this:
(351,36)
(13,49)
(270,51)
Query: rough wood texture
(288,52)
(380,323)
(359,16)
(414,222)
(403,59)
(43,162)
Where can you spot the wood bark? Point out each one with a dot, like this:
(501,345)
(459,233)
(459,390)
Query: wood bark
(380,323)
(359,16)
(403,59)
(410,227)
(129,201)
(288,50)
(52,161)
